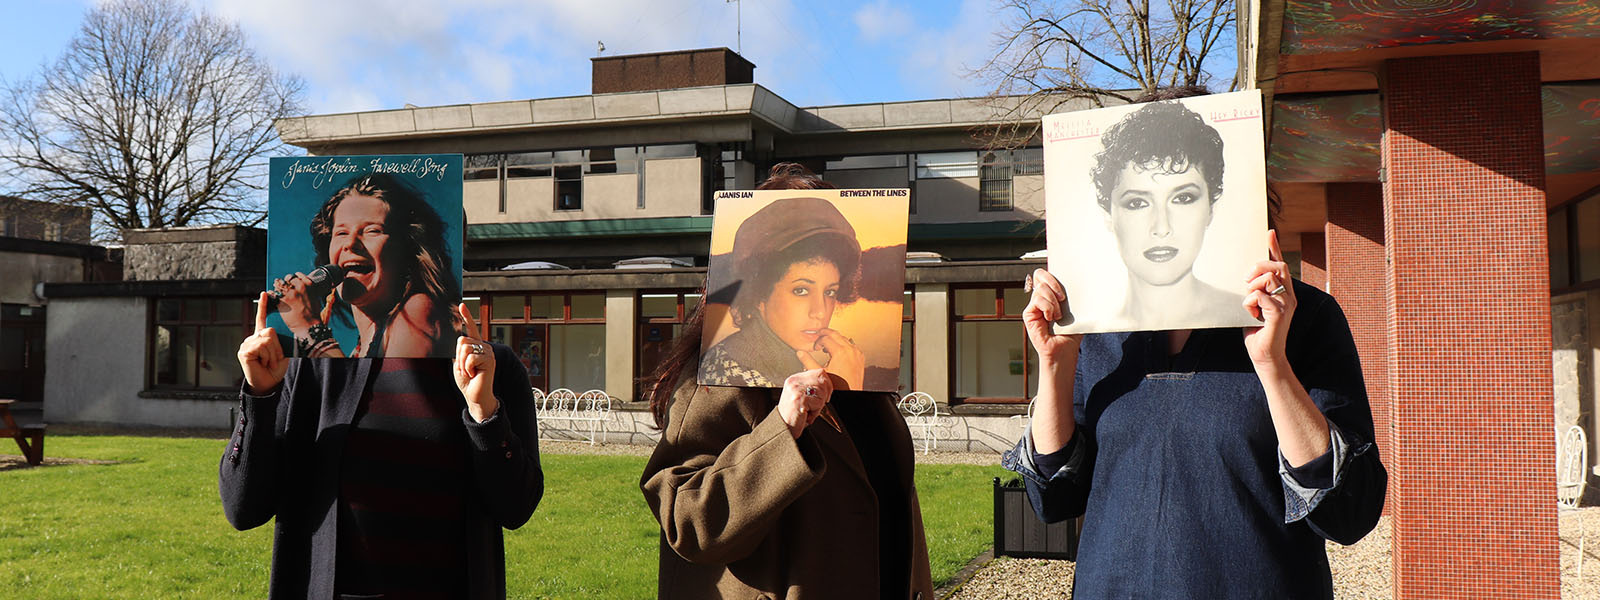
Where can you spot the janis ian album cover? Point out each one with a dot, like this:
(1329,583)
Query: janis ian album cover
(1156,213)
(801,279)
(364,254)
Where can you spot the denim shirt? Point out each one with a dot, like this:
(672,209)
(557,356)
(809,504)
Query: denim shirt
(1175,465)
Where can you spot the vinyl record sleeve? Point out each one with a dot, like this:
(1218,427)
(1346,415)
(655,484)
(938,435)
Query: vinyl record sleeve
(805,278)
(1156,213)
(394,225)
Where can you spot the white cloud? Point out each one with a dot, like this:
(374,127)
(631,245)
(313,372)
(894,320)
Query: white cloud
(883,20)
(371,54)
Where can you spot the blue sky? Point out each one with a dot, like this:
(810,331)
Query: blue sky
(371,54)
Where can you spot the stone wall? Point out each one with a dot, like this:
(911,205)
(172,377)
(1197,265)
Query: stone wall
(1572,378)
(219,252)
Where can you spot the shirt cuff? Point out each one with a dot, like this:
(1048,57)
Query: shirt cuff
(1306,485)
(1042,468)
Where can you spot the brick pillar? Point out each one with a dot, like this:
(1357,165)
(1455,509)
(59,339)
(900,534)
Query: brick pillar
(1469,324)
(1356,274)
(1314,259)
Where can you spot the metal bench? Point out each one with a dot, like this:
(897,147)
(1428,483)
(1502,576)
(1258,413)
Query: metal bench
(585,416)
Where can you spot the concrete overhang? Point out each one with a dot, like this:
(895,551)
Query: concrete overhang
(750,103)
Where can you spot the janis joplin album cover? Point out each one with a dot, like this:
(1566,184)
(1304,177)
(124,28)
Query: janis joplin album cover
(1157,212)
(364,254)
(801,279)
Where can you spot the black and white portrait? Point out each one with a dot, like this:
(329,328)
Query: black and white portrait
(1156,212)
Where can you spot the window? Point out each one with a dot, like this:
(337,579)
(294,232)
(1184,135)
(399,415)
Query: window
(8,225)
(569,187)
(194,342)
(993,361)
(660,321)
(1575,244)
(52,231)
(875,161)
(994,183)
(560,337)
(483,166)
(938,165)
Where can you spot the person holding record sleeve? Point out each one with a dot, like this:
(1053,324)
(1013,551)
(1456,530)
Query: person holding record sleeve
(805,491)
(387,477)
(1208,463)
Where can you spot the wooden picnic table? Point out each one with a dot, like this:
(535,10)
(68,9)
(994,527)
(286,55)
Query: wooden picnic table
(30,438)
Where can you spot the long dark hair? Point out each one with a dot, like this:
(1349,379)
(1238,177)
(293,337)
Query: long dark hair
(663,381)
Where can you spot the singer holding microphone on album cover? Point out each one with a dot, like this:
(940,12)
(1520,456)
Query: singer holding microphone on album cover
(386,261)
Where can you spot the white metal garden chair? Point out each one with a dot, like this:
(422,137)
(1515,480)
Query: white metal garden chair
(1572,454)
(924,419)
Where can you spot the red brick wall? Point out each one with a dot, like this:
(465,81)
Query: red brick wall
(1356,274)
(1470,368)
(1314,260)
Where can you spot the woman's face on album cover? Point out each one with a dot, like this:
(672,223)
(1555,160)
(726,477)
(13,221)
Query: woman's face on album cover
(801,303)
(359,239)
(1160,221)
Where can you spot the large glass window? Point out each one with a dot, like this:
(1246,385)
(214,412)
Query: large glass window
(194,342)
(661,317)
(560,337)
(1575,243)
(992,359)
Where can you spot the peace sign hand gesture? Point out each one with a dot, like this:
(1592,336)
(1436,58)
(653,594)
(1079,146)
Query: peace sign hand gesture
(474,369)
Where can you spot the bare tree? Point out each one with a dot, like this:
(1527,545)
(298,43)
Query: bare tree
(154,116)
(1054,52)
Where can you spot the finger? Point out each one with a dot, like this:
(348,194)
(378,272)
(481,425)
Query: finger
(1252,303)
(1042,279)
(833,342)
(1264,281)
(807,361)
(261,312)
(466,317)
(1273,251)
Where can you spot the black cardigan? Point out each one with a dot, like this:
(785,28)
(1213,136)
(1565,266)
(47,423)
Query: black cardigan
(284,457)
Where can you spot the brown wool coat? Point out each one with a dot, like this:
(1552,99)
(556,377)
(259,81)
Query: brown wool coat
(749,511)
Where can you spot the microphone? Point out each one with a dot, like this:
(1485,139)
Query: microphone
(322,278)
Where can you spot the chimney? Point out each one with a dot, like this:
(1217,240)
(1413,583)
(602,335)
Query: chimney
(669,70)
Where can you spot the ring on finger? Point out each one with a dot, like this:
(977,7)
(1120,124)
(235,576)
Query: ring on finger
(1278,291)
(811,391)
(475,348)
(1027,284)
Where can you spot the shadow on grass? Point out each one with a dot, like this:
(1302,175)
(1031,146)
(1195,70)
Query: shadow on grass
(12,462)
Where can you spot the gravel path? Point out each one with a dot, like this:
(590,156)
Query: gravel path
(1360,572)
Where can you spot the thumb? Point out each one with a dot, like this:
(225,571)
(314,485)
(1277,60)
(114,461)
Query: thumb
(805,359)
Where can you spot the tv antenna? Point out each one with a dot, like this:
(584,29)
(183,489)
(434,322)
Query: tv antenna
(738,25)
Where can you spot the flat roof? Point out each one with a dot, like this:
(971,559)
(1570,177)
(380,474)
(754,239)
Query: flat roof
(736,101)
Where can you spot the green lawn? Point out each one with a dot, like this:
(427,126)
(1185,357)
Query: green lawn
(151,526)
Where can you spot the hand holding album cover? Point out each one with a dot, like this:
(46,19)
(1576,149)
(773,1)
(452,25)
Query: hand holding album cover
(1156,212)
(805,279)
(364,254)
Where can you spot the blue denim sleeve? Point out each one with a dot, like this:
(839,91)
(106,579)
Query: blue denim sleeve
(1305,486)
(1060,492)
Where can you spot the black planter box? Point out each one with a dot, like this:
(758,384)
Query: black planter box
(1019,532)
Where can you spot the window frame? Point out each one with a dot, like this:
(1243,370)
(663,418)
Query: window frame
(998,316)
(1575,282)
(245,321)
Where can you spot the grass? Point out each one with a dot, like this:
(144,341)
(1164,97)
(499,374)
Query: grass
(151,526)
